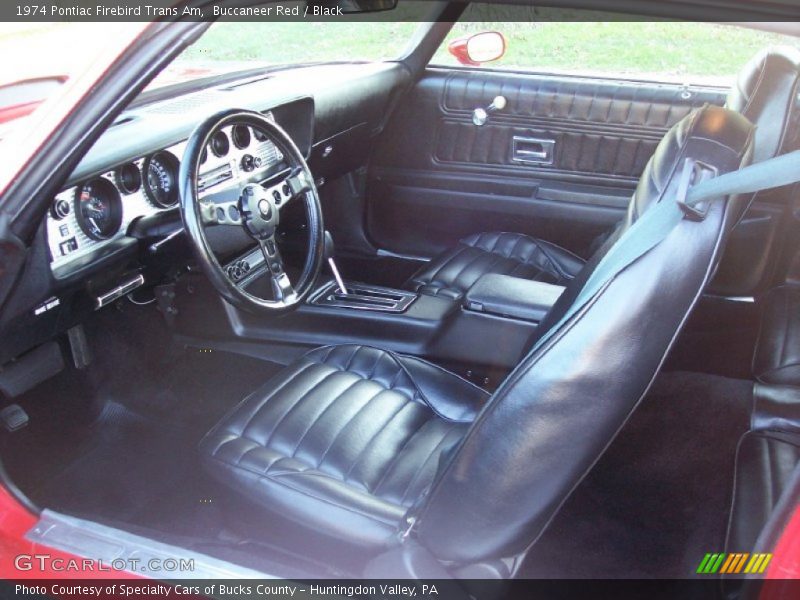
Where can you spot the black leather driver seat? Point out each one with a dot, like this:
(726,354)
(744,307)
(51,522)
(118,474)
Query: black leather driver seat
(765,92)
(354,444)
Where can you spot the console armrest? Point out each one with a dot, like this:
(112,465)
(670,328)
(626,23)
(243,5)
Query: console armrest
(513,297)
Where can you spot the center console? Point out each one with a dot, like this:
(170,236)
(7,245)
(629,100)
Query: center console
(489,329)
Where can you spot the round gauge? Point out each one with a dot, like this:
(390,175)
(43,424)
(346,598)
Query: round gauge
(60,209)
(220,144)
(98,209)
(128,178)
(161,179)
(241,136)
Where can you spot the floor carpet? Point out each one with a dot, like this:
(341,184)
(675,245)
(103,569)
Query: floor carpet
(658,499)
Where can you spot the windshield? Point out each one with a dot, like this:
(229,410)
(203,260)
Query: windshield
(54,52)
(230,47)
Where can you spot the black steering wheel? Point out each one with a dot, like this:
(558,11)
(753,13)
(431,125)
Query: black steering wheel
(245,202)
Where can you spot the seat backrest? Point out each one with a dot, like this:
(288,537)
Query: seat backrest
(553,417)
(766,93)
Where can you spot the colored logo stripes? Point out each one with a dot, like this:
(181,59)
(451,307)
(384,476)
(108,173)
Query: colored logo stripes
(734,562)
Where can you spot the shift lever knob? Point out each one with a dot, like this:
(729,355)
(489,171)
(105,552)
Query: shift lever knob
(328,252)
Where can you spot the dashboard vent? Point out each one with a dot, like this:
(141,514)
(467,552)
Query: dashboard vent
(186,103)
(246,82)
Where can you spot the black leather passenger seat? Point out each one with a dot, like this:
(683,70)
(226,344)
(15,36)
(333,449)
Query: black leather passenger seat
(454,272)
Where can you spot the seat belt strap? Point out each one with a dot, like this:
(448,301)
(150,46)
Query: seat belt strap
(657,222)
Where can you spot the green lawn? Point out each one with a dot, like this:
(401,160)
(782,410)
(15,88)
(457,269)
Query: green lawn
(301,42)
(685,51)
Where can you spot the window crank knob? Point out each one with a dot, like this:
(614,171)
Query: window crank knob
(499,103)
(481,115)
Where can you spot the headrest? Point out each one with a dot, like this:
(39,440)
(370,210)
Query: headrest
(766,93)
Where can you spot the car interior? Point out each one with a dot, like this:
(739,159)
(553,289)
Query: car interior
(329,321)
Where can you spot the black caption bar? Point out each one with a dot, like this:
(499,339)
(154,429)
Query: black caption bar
(281,589)
(405,10)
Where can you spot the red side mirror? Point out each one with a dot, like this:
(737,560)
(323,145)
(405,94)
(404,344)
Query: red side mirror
(477,49)
(458,48)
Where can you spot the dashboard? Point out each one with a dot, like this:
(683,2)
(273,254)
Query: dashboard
(88,216)
(97,238)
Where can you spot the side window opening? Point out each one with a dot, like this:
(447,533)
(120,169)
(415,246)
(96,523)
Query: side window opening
(595,44)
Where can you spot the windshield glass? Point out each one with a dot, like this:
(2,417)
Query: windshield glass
(228,47)
(50,54)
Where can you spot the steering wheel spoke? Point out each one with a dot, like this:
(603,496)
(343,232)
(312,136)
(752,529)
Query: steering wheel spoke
(220,213)
(298,183)
(281,285)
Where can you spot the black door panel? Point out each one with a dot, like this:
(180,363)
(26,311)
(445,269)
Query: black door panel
(429,211)
(575,154)
(559,162)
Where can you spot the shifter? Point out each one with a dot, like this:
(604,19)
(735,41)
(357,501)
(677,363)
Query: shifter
(329,253)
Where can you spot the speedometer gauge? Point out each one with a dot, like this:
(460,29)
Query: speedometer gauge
(161,179)
(98,209)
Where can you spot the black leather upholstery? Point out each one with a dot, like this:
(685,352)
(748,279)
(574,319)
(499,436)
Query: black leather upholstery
(453,272)
(776,407)
(348,439)
(344,440)
(513,297)
(766,93)
(765,461)
(777,355)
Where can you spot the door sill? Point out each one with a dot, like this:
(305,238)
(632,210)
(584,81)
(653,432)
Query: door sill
(115,550)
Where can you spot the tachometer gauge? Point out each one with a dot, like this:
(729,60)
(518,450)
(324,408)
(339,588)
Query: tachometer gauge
(98,209)
(161,179)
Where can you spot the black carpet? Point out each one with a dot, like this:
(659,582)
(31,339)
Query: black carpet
(658,500)
(118,441)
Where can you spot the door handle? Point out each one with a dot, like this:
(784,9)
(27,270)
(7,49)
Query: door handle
(538,151)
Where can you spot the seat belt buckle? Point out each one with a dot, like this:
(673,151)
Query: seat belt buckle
(688,177)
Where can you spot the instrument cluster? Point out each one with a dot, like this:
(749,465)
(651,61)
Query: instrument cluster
(99,210)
